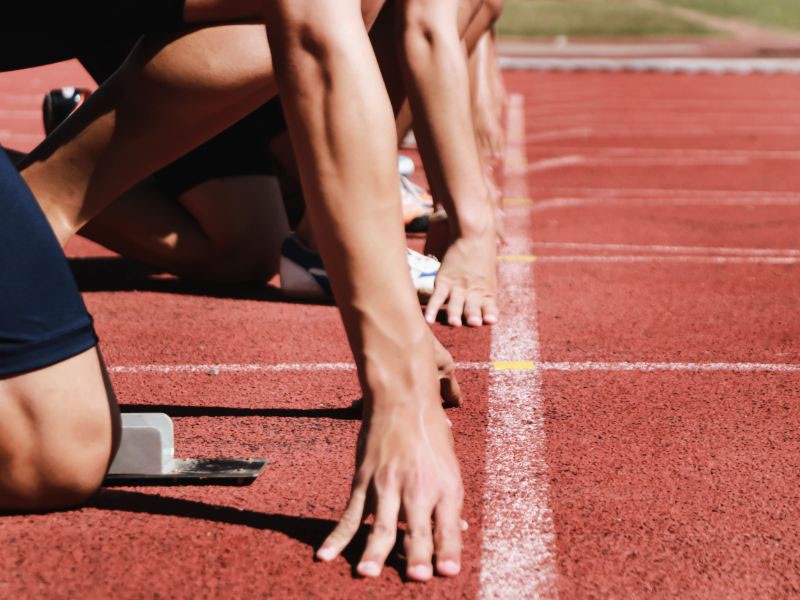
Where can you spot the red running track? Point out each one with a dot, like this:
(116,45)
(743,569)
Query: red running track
(656,445)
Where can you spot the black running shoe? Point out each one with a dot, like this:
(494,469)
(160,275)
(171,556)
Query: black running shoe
(59,104)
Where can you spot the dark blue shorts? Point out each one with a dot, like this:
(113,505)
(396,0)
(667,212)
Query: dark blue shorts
(43,320)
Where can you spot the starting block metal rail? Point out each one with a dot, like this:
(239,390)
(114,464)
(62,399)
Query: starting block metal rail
(146,456)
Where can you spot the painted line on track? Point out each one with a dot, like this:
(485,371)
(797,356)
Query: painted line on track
(516,365)
(628,258)
(666,249)
(676,153)
(575,160)
(721,66)
(517,555)
(682,130)
(604,192)
(556,203)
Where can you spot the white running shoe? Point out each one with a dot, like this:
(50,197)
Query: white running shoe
(405,165)
(424,270)
(303,275)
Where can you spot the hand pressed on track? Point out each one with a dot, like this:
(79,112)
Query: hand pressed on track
(406,467)
(467,280)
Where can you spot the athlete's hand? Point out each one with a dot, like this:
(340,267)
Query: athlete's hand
(448,384)
(405,467)
(467,280)
(489,133)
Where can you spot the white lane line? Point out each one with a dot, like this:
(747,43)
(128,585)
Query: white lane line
(523,365)
(720,66)
(650,132)
(574,160)
(654,201)
(678,153)
(517,556)
(710,260)
(603,192)
(211,368)
(649,367)
(559,162)
(666,249)
(20,114)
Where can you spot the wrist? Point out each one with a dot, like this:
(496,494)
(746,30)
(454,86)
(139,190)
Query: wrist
(473,221)
(399,375)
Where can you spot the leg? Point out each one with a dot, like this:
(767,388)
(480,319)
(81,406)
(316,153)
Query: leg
(58,419)
(115,140)
(59,427)
(224,230)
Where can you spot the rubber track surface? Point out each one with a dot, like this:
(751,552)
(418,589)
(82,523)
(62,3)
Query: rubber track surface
(660,483)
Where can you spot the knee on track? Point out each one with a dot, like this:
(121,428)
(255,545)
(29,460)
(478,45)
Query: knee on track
(62,470)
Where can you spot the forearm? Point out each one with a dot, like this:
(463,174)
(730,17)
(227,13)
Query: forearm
(435,67)
(340,121)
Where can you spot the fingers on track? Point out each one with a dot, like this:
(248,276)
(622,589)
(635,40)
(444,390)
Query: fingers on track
(347,527)
(384,530)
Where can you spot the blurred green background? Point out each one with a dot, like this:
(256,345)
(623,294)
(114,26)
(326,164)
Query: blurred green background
(639,18)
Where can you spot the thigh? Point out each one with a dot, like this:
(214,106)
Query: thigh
(43,319)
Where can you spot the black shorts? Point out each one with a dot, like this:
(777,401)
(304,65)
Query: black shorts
(242,149)
(43,320)
(41,33)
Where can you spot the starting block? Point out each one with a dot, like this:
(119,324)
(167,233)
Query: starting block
(146,456)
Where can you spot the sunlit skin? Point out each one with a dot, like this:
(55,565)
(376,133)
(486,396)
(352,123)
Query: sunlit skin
(340,120)
(431,38)
(59,428)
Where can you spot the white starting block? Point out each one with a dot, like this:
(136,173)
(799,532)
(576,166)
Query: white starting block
(146,456)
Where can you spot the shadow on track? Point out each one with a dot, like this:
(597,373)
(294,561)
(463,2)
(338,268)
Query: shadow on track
(350,413)
(114,274)
(307,530)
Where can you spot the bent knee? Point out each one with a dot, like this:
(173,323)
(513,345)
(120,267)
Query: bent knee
(51,478)
(55,460)
(57,429)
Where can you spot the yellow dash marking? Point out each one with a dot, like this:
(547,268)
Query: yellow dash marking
(513,365)
(516,258)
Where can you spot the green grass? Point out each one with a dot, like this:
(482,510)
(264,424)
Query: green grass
(776,13)
(595,18)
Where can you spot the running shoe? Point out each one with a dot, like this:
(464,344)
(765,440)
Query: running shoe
(409,141)
(417,206)
(61,103)
(303,275)
(419,193)
(424,270)
(405,165)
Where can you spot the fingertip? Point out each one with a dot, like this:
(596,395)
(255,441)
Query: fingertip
(326,554)
(490,313)
(464,525)
(368,569)
(448,568)
(454,321)
(474,321)
(420,572)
